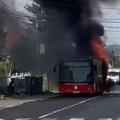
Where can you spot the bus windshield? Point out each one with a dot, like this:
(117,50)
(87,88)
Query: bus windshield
(75,72)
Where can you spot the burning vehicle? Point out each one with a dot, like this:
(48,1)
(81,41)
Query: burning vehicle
(83,75)
(79,34)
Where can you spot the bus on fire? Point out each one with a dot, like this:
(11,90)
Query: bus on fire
(82,75)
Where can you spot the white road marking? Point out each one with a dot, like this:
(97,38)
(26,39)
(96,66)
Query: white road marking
(77,119)
(23,118)
(50,119)
(105,119)
(65,108)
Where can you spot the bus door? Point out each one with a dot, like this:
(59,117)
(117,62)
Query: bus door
(98,83)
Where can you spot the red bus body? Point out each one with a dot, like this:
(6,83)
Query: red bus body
(95,86)
(70,88)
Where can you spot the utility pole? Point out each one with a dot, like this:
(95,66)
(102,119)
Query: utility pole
(37,38)
(119,65)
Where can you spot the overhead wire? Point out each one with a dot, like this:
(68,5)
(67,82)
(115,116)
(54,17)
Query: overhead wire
(63,5)
(115,20)
(23,15)
(15,15)
(77,5)
(10,8)
(27,16)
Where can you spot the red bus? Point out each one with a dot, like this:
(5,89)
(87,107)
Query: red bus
(85,76)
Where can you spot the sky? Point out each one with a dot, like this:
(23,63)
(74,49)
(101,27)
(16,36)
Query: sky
(21,4)
(111,21)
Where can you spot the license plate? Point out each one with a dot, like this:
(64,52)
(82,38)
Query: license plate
(76,91)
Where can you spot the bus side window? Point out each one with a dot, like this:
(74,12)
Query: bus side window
(95,70)
(99,70)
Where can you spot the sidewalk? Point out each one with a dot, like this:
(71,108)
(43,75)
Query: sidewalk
(21,99)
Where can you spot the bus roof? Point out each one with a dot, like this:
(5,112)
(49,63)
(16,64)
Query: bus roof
(77,59)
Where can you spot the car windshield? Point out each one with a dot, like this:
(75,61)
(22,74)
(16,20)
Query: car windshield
(77,72)
(113,73)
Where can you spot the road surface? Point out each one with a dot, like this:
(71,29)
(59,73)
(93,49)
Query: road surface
(68,108)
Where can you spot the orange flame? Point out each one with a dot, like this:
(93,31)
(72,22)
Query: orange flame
(98,50)
(14,36)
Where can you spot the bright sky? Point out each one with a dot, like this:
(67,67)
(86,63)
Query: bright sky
(21,3)
(111,21)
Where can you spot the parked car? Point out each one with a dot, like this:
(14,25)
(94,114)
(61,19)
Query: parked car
(114,75)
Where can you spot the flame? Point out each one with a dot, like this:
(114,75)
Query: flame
(14,36)
(98,49)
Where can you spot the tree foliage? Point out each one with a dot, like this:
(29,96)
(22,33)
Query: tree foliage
(5,67)
(36,9)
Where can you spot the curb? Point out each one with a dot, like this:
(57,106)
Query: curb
(25,102)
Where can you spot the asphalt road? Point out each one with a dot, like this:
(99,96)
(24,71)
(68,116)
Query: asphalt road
(68,108)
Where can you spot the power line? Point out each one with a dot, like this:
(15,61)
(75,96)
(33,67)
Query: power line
(78,5)
(109,21)
(23,15)
(16,15)
(116,19)
(60,4)
(12,14)
(111,31)
(15,12)
(111,26)
(27,16)
(10,8)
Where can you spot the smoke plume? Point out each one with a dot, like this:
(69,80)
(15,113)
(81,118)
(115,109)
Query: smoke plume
(71,29)
(68,32)
(19,41)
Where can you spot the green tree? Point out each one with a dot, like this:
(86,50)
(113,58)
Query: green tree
(5,67)
(36,9)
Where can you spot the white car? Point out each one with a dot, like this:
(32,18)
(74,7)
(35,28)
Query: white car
(115,78)
(113,75)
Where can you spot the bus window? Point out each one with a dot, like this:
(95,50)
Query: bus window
(67,74)
(81,74)
(75,74)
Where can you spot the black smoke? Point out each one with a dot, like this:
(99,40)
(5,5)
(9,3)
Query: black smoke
(69,28)
(73,10)
(67,31)
(20,41)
